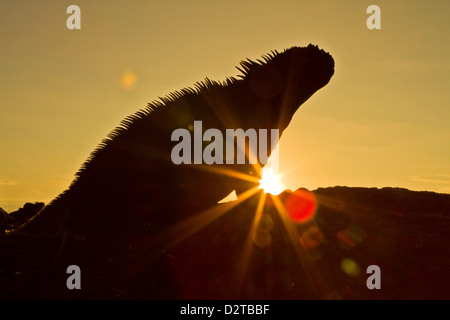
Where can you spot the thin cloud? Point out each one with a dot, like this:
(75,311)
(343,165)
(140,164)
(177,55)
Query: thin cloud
(5,181)
(416,65)
(440,182)
(439,178)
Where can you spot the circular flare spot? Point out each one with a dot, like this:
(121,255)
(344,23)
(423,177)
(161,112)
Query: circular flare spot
(350,267)
(351,236)
(311,238)
(301,206)
(265,223)
(128,79)
(262,238)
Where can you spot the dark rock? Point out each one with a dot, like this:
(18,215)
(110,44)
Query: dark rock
(3,220)
(28,211)
(17,218)
(237,251)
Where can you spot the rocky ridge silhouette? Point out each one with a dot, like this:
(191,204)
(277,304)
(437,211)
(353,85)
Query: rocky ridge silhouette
(405,233)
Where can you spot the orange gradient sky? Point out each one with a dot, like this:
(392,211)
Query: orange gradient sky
(383,120)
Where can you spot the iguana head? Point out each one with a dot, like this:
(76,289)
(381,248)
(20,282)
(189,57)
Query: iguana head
(284,81)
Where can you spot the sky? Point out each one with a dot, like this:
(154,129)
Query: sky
(383,120)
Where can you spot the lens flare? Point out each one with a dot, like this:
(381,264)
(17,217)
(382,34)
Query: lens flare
(128,79)
(265,223)
(262,238)
(351,236)
(301,206)
(311,237)
(350,267)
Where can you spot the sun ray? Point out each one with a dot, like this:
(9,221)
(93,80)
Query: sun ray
(316,282)
(176,234)
(160,243)
(229,172)
(243,262)
(192,225)
(228,120)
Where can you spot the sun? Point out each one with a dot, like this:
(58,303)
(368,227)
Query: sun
(271,182)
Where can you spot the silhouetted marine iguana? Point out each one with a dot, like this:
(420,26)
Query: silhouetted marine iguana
(129,181)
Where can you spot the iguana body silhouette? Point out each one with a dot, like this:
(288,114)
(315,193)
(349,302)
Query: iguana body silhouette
(129,187)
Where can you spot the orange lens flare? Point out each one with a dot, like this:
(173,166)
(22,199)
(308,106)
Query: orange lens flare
(301,206)
(128,79)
